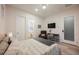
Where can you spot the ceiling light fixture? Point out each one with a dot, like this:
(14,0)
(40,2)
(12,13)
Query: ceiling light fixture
(36,10)
(43,7)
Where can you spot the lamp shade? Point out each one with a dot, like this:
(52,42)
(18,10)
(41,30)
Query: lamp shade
(10,34)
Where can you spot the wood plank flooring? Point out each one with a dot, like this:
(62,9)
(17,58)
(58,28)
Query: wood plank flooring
(68,49)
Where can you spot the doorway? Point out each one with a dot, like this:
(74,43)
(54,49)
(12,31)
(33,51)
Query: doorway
(20,27)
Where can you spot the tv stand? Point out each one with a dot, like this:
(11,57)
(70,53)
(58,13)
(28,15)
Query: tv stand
(53,37)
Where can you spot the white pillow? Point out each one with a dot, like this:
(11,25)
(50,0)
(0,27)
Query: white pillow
(3,47)
(43,35)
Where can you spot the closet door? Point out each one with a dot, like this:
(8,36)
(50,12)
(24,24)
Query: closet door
(69,28)
(20,27)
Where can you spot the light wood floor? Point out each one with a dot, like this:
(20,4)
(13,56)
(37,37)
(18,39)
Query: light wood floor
(68,49)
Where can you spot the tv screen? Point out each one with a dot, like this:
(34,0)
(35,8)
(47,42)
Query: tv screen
(51,25)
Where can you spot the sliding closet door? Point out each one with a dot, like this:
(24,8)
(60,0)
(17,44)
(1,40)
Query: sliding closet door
(69,28)
(20,27)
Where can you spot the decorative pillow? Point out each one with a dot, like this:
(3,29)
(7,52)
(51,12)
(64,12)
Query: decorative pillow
(2,35)
(0,39)
(6,39)
(55,51)
(42,34)
(3,46)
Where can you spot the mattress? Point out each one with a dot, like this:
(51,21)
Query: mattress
(28,47)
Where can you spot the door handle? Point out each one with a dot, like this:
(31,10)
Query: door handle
(62,30)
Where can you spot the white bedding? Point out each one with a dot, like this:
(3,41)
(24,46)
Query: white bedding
(28,47)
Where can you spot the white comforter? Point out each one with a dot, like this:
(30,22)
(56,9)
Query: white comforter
(28,47)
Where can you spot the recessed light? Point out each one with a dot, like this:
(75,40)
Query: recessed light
(36,10)
(44,7)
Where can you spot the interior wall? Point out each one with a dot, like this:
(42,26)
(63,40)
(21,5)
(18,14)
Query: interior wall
(2,18)
(11,15)
(10,22)
(59,20)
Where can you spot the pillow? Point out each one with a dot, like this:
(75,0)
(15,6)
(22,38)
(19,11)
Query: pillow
(1,36)
(42,34)
(6,39)
(0,40)
(3,47)
(55,51)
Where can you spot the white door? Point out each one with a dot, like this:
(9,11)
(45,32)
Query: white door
(20,27)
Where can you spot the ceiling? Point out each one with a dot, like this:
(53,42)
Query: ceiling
(50,10)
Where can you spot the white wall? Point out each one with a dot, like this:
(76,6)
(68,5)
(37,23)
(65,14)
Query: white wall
(11,15)
(59,20)
(2,19)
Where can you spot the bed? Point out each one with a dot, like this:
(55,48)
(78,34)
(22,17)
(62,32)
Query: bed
(30,47)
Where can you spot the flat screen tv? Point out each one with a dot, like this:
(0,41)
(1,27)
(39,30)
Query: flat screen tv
(51,25)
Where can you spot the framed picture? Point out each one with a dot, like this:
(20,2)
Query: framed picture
(39,26)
